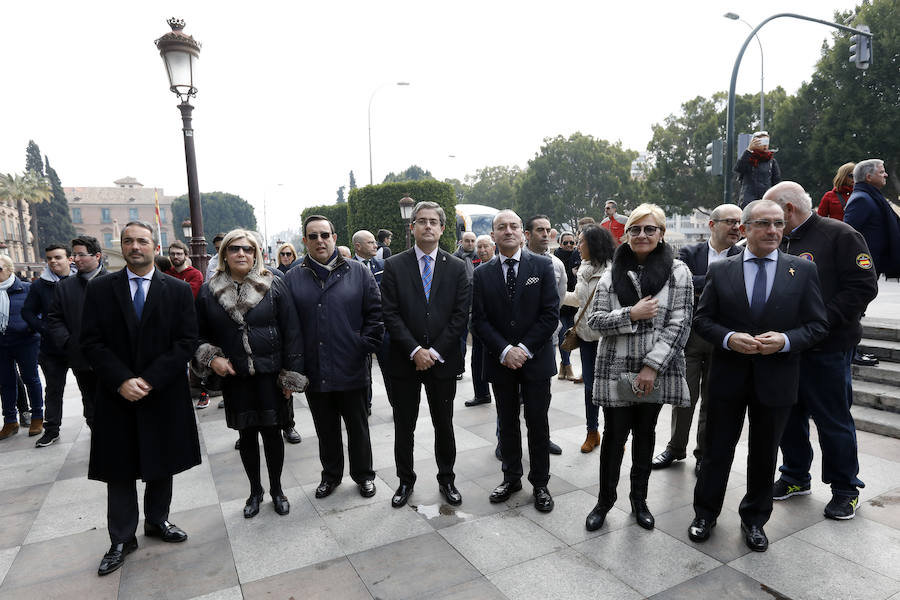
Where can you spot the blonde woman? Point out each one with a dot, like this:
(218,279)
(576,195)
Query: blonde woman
(287,255)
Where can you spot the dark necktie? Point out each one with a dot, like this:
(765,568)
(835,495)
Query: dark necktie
(139,297)
(426,275)
(511,277)
(758,299)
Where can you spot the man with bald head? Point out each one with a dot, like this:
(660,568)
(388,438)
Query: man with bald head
(848,281)
(365,250)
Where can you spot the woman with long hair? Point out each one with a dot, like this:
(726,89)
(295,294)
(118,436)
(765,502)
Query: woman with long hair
(833,202)
(642,310)
(250,336)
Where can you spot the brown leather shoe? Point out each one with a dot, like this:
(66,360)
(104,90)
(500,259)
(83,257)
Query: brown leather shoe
(8,430)
(36,428)
(591,441)
(562,371)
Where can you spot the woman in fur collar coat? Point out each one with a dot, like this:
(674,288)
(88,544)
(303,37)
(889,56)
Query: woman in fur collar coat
(250,336)
(643,310)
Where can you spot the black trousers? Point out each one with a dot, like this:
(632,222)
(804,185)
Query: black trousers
(122,506)
(55,369)
(640,421)
(535,398)
(328,408)
(725,420)
(87,385)
(440,394)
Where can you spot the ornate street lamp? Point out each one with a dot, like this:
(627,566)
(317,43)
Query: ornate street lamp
(180,53)
(406,211)
(186,229)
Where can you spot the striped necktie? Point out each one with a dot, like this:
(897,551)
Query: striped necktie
(426,275)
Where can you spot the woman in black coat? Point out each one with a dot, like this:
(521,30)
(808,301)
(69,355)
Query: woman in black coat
(250,336)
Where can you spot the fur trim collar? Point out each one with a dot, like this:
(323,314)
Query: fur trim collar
(632,282)
(237,300)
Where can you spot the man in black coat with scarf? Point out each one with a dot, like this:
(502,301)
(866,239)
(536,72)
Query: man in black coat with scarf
(139,333)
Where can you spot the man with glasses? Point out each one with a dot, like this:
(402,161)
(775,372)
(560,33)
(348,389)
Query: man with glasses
(65,316)
(178,254)
(760,309)
(339,306)
(426,308)
(848,283)
(613,222)
(724,233)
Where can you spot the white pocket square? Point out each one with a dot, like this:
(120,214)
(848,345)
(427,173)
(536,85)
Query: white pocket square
(532,280)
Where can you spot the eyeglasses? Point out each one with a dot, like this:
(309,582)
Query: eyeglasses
(765,223)
(569,243)
(286,253)
(314,236)
(426,222)
(729,222)
(635,230)
(234,249)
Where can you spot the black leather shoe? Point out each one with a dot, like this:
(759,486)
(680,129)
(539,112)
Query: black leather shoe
(664,459)
(596,517)
(115,557)
(251,508)
(543,501)
(642,514)
(291,436)
(325,488)
(554,448)
(452,494)
(506,489)
(237,444)
(477,401)
(367,488)
(864,360)
(165,531)
(755,537)
(282,506)
(697,467)
(401,495)
(700,529)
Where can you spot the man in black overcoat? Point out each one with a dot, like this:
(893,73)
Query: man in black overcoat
(138,331)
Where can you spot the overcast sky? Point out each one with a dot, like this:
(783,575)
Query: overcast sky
(284,87)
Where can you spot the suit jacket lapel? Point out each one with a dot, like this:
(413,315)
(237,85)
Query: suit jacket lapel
(522,276)
(415,276)
(122,289)
(737,283)
(440,265)
(782,279)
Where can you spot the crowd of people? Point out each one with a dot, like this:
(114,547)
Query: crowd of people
(767,330)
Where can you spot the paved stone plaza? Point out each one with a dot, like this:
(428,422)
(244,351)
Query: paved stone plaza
(53,526)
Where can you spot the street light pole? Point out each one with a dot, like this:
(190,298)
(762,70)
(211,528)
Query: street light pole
(372,97)
(762,71)
(729,125)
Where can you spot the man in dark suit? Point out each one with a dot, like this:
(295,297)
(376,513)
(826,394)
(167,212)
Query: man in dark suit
(515,310)
(139,331)
(365,247)
(724,230)
(760,309)
(425,300)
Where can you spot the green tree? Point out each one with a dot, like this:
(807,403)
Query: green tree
(340,195)
(352,180)
(494,186)
(54,223)
(459,188)
(23,191)
(33,160)
(412,173)
(843,113)
(337,214)
(221,212)
(573,177)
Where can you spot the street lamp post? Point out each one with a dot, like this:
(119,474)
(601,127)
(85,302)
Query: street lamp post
(372,97)
(762,84)
(406,211)
(180,53)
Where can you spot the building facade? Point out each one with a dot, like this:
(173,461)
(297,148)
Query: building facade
(15,227)
(102,212)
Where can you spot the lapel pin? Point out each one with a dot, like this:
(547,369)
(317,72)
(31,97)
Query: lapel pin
(791,271)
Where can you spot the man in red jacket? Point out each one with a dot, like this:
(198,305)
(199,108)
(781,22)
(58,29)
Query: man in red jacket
(614,223)
(178,254)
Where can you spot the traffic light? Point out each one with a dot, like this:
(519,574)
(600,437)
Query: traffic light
(714,156)
(861,48)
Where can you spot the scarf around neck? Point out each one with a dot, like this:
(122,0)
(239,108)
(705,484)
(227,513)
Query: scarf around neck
(651,277)
(758,156)
(4,302)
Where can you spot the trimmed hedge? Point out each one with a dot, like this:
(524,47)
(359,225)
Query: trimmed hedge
(375,207)
(337,213)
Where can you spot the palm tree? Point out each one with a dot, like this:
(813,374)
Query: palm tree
(25,190)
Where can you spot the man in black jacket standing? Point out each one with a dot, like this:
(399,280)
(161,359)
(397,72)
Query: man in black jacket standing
(426,308)
(848,281)
(52,358)
(65,315)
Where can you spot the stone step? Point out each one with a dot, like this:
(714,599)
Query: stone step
(887,373)
(885,350)
(881,329)
(877,396)
(877,421)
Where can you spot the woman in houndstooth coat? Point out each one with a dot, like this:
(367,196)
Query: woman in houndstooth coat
(643,309)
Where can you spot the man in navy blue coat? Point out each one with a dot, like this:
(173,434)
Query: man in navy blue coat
(515,311)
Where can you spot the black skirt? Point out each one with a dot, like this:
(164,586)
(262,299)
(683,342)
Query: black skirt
(253,401)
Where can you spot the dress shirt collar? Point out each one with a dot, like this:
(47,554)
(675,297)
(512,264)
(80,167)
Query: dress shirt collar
(772,256)
(420,253)
(516,257)
(132,275)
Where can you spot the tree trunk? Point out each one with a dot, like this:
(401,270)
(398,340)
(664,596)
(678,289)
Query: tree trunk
(23,231)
